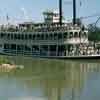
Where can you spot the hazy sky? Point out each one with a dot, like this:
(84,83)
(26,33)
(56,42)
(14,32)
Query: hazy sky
(23,10)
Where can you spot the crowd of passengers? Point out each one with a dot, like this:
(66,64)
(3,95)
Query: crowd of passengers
(48,29)
(38,27)
(83,51)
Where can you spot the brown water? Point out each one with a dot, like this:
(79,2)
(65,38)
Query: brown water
(44,79)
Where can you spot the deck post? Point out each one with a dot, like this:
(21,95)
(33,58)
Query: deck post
(31,50)
(48,50)
(39,49)
(56,49)
(16,49)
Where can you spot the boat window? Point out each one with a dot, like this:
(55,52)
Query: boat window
(33,37)
(60,36)
(13,46)
(30,36)
(79,34)
(18,48)
(70,34)
(27,48)
(26,36)
(2,35)
(6,46)
(14,36)
(65,35)
(42,36)
(18,36)
(0,45)
(55,36)
(22,36)
(76,34)
(8,35)
(85,33)
(50,36)
(46,36)
(11,36)
(38,36)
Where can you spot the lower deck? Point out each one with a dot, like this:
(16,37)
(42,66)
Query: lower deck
(55,51)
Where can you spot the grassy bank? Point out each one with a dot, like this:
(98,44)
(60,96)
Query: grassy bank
(4,59)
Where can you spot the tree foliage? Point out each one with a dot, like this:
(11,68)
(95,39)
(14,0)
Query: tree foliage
(94,33)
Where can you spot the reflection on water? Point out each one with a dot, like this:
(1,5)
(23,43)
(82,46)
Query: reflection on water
(44,79)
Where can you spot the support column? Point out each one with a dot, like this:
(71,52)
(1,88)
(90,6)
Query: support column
(57,50)
(16,49)
(31,50)
(48,50)
(68,35)
(62,36)
(10,48)
(39,49)
(78,35)
(73,35)
(66,47)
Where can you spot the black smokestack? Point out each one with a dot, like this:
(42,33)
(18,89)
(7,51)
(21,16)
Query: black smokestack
(60,12)
(74,12)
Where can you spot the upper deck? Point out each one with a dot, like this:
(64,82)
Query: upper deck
(40,27)
(50,24)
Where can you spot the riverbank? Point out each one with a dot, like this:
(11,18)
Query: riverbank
(4,59)
(7,65)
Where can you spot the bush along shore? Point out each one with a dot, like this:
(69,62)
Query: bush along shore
(6,65)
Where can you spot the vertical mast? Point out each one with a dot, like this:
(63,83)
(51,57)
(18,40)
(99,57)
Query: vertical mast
(60,12)
(74,12)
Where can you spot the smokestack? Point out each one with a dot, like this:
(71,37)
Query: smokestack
(60,12)
(74,12)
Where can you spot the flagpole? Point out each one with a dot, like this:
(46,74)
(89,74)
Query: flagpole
(7,18)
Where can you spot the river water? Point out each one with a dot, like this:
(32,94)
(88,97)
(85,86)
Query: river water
(45,79)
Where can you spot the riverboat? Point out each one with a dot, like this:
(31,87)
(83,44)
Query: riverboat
(50,39)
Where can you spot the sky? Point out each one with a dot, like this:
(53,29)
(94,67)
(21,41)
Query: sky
(31,10)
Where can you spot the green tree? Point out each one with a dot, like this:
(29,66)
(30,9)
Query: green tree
(94,33)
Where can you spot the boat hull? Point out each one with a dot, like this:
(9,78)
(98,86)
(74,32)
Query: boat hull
(77,57)
(56,57)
